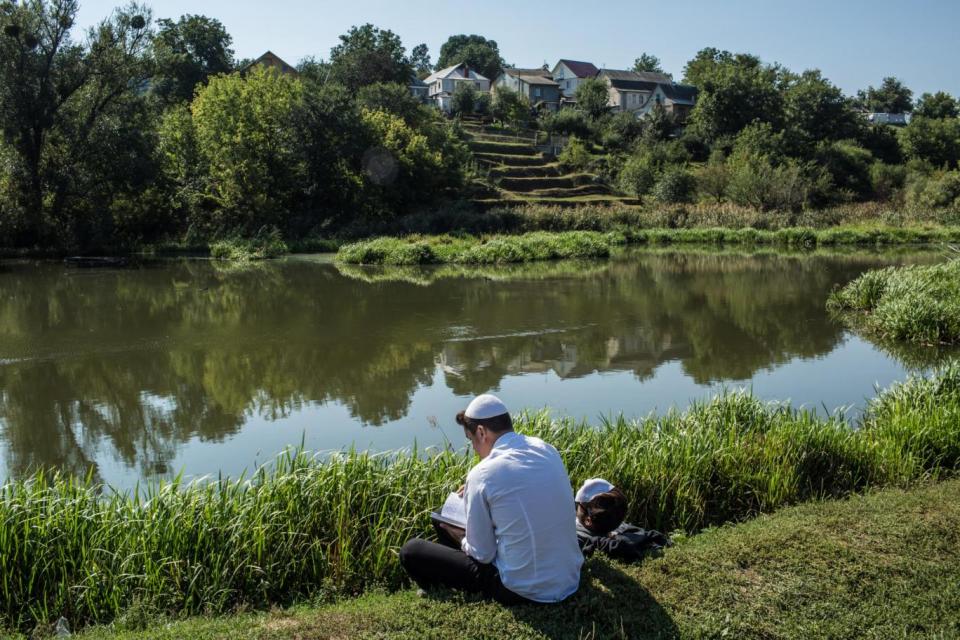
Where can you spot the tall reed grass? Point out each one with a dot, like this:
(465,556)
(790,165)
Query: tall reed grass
(308,527)
(919,304)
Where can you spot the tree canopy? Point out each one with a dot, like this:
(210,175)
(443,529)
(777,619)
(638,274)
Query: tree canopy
(186,53)
(648,62)
(592,97)
(420,59)
(479,53)
(937,105)
(367,54)
(891,97)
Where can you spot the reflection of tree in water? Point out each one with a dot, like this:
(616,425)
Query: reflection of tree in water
(136,362)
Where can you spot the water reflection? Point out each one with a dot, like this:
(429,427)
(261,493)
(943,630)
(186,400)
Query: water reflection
(132,365)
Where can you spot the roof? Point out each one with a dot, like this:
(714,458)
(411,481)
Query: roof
(637,76)
(680,93)
(273,61)
(580,69)
(456,71)
(532,76)
(416,82)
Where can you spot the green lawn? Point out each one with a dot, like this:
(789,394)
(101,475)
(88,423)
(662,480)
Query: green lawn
(885,565)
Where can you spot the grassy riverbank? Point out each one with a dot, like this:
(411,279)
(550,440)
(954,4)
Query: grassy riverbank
(545,245)
(886,565)
(919,304)
(310,528)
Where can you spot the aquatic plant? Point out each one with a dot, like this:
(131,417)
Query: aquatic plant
(919,304)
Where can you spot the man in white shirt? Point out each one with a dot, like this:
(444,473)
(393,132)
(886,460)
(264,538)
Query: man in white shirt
(520,543)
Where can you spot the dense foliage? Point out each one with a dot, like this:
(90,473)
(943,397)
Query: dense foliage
(140,133)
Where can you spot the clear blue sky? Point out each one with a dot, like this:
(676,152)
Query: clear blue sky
(854,42)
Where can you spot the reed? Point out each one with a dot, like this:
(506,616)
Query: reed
(315,527)
(917,304)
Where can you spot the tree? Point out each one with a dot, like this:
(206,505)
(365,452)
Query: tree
(420,59)
(464,99)
(932,140)
(56,95)
(246,136)
(891,97)
(477,52)
(647,62)
(508,106)
(393,98)
(815,110)
(366,55)
(592,97)
(186,53)
(938,105)
(734,90)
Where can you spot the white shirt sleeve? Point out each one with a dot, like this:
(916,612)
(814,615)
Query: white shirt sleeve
(480,541)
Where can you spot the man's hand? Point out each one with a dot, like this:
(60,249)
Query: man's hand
(454,532)
(460,490)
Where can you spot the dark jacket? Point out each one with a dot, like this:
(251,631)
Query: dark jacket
(626,542)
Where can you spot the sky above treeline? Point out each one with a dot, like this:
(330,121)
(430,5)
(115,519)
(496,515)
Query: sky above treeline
(854,42)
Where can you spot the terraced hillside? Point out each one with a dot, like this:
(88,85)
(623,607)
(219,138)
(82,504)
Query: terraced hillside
(524,175)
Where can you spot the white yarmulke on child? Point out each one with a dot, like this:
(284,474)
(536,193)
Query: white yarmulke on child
(591,489)
(485,406)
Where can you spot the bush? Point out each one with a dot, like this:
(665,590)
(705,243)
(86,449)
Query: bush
(849,166)
(886,180)
(676,185)
(464,100)
(267,243)
(713,178)
(935,141)
(755,182)
(939,190)
(621,130)
(575,156)
(567,122)
(638,175)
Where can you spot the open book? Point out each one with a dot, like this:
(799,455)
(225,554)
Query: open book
(454,512)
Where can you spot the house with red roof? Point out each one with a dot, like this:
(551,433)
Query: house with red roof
(568,74)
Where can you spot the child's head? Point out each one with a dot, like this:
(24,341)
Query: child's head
(601,507)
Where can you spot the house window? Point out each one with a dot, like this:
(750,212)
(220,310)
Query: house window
(536,92)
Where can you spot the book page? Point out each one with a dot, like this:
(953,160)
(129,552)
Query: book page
(454,511)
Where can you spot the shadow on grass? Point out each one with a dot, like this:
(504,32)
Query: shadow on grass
(609,604)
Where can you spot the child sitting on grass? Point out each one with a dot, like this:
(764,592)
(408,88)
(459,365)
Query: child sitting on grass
(601,508)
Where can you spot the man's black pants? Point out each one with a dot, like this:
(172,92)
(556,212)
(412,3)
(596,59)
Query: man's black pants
(432,564)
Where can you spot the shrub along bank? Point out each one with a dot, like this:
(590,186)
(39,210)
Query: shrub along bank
(919,304)
(312,528)
(595,244)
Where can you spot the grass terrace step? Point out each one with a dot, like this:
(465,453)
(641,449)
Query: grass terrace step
(510,160)
(543,171)
(506,139)
(532,183)
(507,148)
(519,199)
(573,192)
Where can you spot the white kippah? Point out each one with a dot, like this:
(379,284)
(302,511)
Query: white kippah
(485,406)
(591,489)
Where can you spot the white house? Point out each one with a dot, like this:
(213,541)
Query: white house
(441,84)
(568,74)
(639,92)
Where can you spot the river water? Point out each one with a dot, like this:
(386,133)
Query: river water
(190,366)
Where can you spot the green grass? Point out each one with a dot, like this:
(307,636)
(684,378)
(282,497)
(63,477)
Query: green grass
(886,565)
(918,304)
(308,528)
(550,245)
(266,243)
(470,250)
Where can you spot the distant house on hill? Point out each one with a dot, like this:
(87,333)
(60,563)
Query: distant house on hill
(419,89)
(638,92)
(441,84)
(535,84)
(270,60)
(568,74)
(894,119)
